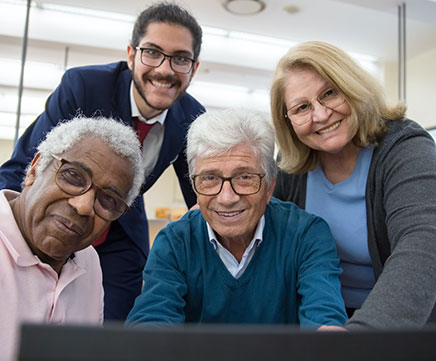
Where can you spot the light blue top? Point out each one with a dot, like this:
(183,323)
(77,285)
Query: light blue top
(342,205)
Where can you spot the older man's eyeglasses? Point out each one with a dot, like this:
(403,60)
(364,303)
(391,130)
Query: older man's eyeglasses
(74,180)
(243,184)
(154,58)
(301,113)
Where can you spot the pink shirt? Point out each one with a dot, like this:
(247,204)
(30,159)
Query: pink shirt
(31,291)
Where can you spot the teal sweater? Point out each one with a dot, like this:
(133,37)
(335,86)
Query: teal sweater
(292,278)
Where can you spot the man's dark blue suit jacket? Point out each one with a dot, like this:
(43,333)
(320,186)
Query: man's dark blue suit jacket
(105,90)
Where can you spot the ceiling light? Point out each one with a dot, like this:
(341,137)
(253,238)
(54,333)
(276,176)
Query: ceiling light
(87,12)
(291,9)
(244,7)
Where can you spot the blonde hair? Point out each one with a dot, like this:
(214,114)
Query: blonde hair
(365,96)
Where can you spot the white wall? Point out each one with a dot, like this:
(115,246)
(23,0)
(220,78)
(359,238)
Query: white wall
(421,88)
(6,147)
(164,193)
(390,72)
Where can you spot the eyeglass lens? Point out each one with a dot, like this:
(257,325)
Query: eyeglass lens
(329,98)
(243,184)
(74,181)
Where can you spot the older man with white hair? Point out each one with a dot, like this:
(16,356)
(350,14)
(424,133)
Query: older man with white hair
(244,257)
(85,175)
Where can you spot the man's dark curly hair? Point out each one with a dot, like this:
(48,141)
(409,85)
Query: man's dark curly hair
(170,13)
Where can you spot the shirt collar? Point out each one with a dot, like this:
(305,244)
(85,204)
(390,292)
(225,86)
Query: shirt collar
(135,111)
(258,234)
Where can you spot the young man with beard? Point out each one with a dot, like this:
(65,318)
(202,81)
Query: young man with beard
(148,93)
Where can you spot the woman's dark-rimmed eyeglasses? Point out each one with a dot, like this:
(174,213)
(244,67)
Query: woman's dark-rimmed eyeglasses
(300,114)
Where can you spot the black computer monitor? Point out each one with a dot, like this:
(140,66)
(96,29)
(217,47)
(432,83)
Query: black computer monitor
(221,343)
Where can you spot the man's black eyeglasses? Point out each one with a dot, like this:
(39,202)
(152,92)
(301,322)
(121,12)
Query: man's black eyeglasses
(74,180)
(243,184)
(154,58)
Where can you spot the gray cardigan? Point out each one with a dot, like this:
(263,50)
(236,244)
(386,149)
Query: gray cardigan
(401,222)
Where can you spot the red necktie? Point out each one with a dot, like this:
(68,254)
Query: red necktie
(102,237)
(142,129)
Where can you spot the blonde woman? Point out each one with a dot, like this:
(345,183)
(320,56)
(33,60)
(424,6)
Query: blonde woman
(369,172)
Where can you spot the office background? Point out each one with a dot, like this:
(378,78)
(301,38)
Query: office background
(238,57)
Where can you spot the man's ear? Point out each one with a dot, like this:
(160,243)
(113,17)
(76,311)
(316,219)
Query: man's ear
(31,173)
(131,52)
(271,189)
(194,69)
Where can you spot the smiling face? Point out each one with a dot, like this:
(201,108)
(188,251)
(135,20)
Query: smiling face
(329,130)
(156,89)
(55,224)
(233,218)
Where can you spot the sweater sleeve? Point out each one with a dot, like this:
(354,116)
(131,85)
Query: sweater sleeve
(318,284)
(163,296)
(291,187)
(405,291)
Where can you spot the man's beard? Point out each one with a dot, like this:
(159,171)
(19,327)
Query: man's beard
(141,91)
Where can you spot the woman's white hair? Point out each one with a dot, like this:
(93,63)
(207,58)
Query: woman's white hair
(216,132)
(120,138)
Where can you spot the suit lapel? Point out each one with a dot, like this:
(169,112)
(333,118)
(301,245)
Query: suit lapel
(121,97)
